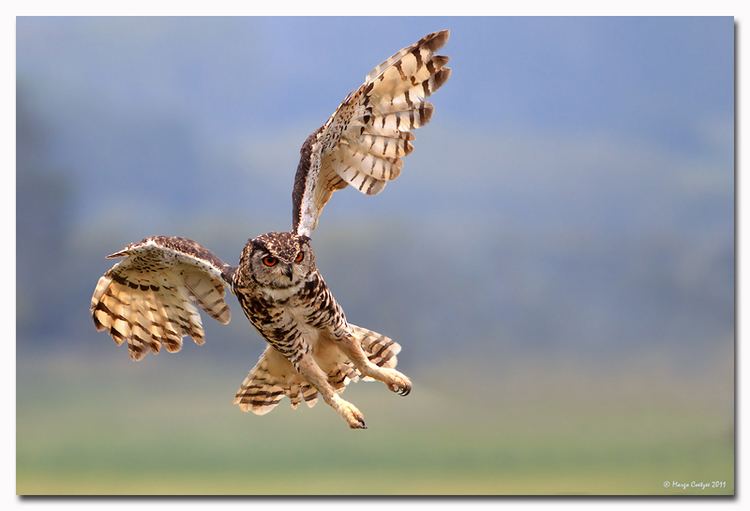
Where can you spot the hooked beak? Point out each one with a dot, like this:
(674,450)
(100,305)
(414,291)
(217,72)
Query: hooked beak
(289,271)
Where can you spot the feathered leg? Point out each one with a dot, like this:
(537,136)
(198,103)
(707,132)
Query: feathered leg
(352,344)
(315,375)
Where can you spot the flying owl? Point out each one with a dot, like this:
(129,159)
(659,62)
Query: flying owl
(152,297)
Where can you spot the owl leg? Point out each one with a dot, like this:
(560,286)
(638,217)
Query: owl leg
(395,380)
(315,375)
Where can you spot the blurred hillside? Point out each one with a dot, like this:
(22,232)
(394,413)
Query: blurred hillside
(521,425)
(566,221)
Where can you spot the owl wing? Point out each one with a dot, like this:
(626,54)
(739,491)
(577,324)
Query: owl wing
(363,142)
(150,297)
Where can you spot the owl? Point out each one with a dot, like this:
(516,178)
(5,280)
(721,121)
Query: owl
(151,298)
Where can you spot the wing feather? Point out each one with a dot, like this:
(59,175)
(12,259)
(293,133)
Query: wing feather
(363,142)
(151,298)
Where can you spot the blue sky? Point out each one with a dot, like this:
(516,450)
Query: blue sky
(217,85)
(652,77)
(588,154)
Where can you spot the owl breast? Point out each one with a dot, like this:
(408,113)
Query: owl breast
(282,296)
(292,319)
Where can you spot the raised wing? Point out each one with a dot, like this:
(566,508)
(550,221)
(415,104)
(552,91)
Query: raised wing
(364,140)
(150,297)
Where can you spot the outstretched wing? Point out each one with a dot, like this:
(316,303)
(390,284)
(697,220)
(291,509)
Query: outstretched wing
(364,140)
(150,297)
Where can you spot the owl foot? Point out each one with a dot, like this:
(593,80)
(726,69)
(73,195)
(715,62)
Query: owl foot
(397,382)
(352,416)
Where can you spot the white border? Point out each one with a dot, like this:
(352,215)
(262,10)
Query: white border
(338,7)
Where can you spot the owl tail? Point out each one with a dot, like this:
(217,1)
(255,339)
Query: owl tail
(274,377)
(381,350)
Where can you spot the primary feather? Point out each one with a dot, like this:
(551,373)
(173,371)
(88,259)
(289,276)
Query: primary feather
(362,144)
(151,297)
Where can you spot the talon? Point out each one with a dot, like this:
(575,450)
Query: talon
(360,424)
(402,390)
(353,416)
(397,382)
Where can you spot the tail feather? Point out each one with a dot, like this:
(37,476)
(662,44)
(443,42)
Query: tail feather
(274,377)
(381,350)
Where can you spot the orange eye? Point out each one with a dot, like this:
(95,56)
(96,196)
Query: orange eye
(299,258)
(270,261)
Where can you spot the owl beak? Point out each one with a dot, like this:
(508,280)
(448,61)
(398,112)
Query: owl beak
(289,271)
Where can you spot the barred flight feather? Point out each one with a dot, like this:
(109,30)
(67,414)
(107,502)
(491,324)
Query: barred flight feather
(274,377)
(363,142)
(380,349)
(149,299)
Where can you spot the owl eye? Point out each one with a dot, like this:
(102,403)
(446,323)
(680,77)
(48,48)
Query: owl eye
(270,261)
(299,258)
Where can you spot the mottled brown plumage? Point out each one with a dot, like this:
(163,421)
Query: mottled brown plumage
(151,298)
(362,144)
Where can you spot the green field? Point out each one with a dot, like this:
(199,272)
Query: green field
(168,427)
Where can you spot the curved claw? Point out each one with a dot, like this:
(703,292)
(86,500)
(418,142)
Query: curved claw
(402,390)
(352,415)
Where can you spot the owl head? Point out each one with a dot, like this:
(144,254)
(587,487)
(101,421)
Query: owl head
(278,259)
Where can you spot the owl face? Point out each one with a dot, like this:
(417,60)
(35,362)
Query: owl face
(278,259)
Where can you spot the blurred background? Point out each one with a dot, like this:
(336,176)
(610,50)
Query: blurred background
(557,258)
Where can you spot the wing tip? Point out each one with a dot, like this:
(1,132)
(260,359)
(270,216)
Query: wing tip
(256,409)
(441,77)
(97,324)
(136,356)
(436,40)
(122,253)
(224,316)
